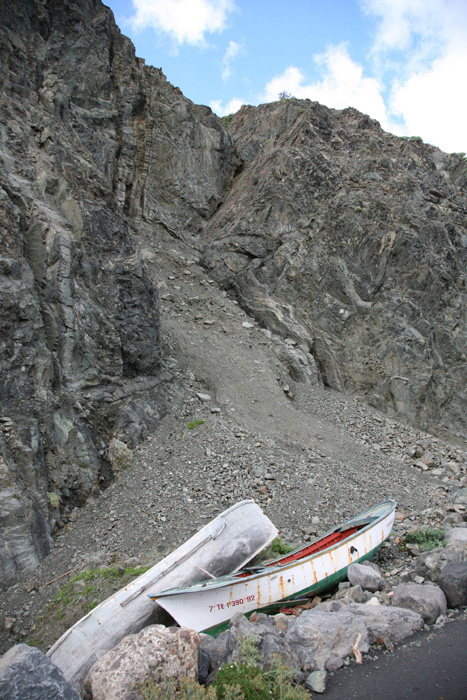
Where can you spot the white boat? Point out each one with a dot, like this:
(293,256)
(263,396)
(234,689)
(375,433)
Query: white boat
(208,606)
(222,546)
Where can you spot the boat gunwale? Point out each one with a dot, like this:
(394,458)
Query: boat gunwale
(234,579)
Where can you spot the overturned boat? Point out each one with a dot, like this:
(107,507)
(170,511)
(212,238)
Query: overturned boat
(222,546)
(208,606)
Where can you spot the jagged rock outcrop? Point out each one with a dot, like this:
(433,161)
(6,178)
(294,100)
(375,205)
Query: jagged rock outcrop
(93,145)
(353,242)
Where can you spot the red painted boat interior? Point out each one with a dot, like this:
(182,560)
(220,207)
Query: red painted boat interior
(314,547)
(328,541)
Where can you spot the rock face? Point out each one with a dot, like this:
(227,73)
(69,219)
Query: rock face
(365,576)
(317,635)
(346,240)
(25,672)
(353,243)
(453,583)
(157,652)
(92,144)
(429,600)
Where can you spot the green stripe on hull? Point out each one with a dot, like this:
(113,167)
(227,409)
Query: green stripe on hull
(319,587)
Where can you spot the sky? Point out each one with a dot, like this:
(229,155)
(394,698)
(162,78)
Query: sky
(403,62)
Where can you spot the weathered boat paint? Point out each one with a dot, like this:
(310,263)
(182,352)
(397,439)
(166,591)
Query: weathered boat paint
(223,545)
(208,606)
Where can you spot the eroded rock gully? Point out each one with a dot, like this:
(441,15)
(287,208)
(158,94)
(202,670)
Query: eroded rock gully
(288,267)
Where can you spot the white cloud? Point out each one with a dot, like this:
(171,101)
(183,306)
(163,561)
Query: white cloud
(433,103)
(417,25)
(343,85)
(233,49)
(230,108)
(185,21)
(424,41)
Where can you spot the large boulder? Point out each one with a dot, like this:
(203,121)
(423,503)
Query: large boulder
(27,674)
(367,577)
(319,639)
(269,631)
(453,582)
(427,600)
(431,563)
(157,652)
(318,635)
(457,536)
(385,623)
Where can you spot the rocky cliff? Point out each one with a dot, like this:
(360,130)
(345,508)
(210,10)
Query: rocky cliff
(352,242)
(345,239)
(94,147)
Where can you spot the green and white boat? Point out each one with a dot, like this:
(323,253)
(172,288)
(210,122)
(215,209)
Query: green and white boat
(222,546)
(207,606)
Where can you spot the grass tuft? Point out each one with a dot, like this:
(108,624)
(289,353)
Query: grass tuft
(426,539)
(194,424)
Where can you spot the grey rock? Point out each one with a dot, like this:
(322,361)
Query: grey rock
(204,665)
(460,496)
(80,316)
(430,563)
(428,600)
(383,622)
(364,576)
(226,646)
(318,635)
(272,640)
(355,593)
(316,681)
(216,649)
(157,652)
(120,455)
(334,663)
(453,582)
(25,672)
(458,535)
(100,154)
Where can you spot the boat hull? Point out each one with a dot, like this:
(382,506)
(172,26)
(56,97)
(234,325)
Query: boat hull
(209,608)
(222,546)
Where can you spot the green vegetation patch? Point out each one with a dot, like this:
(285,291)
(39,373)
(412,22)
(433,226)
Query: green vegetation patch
(194,424)
(54,499)
(242,679)
(277,548)
(78,596)
(73,592)
(186,690)
(254,683)
(426,539)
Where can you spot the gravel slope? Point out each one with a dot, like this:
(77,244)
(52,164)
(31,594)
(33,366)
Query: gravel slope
(309,456)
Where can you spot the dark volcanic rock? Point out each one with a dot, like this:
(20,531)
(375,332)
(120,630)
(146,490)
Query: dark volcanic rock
(26,672)
(453,582)
(352,242)
(91,142)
